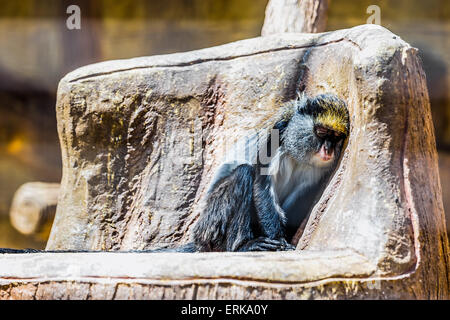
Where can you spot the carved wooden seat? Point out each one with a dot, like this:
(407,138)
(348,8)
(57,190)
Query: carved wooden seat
(135,170)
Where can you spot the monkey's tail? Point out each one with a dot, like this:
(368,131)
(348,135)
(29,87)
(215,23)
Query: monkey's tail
(189,247)
(8,250)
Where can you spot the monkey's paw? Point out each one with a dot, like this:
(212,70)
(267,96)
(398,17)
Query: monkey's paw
(287,245)
(266,244)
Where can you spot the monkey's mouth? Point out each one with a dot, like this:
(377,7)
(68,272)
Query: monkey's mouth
(325,155)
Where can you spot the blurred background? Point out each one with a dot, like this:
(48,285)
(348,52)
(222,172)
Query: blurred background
(37,49)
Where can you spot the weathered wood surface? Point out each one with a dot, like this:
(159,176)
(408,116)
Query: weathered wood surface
(134,174)
(284,16)
(33,208)
(181,275)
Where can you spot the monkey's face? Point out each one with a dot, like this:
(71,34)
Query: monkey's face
(312,143)
(317,130)
(329,144)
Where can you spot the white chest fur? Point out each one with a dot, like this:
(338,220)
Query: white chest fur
(290,178)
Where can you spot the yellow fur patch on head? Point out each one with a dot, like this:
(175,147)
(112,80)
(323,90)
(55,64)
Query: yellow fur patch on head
(334,115)
(333,121)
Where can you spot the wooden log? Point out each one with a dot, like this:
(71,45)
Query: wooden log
(295,16)
(33,208)
(134,173)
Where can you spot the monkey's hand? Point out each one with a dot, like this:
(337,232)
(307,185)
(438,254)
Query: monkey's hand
(287,245)
(266,244)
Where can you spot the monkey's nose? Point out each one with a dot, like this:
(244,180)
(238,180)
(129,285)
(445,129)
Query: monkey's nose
(326,154)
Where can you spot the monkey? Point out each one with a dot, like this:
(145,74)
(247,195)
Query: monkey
(256,205)
(252,206)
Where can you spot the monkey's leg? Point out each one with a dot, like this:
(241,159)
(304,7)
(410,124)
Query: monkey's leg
(229,221)
(270,215)
(226,222)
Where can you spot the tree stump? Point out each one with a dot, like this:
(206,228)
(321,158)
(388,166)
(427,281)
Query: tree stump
(284,16)
(135,168)
(33,208)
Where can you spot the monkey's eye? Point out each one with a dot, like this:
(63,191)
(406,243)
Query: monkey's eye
(321,132)
(338,135)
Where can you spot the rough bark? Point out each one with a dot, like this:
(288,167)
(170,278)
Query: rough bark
(295,16)
(135,171)
(33,208)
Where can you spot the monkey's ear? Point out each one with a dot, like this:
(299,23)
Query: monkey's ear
(301,102)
